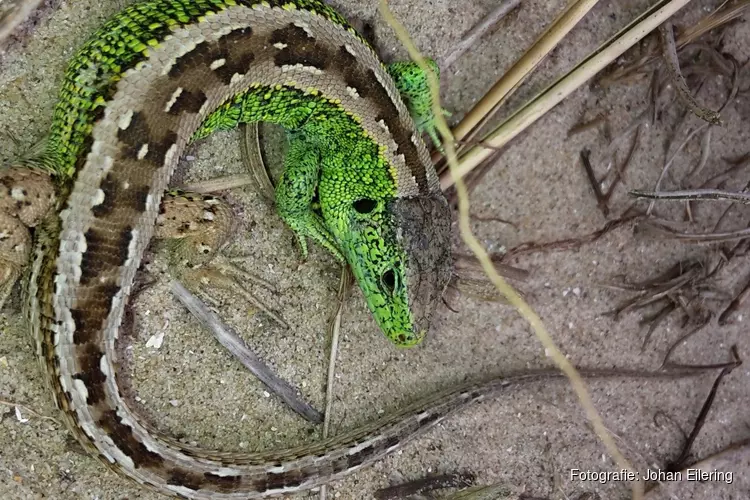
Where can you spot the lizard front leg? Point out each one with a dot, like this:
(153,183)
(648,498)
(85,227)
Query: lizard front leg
(413,86)
(296,192)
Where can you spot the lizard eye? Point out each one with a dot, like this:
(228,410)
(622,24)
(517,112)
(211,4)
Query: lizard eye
(389,280)
(365,205)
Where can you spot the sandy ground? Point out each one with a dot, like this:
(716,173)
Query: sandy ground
(528,440)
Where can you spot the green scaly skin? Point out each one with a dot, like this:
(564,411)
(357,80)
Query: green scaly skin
(329,154)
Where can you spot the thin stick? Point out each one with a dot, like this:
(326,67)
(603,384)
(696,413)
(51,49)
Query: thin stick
(733,306)
(231,341)
(250,151)
(669,162)
(698,237)
(218,184)
(470,38)
(11,404)
(701,420)
(595,186)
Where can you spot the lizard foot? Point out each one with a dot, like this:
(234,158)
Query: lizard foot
(196,228)
(413,85)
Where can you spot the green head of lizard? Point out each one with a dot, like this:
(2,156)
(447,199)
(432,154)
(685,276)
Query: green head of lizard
(399,251)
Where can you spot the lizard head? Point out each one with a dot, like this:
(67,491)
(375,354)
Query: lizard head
(399,251)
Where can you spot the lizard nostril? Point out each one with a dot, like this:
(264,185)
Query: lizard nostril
(389,280)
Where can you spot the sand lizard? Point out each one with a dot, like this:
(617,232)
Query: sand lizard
(161,74)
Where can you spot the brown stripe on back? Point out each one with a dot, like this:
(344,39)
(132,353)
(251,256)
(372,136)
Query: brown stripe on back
(368,452)
(299,48)
(368,86)
(190,60)
(139,197)
(117,196)
(109,187)
(188,102)
(276,481)
(91,374)
(103,251)
(135,135)
(429,419)
(89,315)
(225,484)
(359,457)
(185,478)
(122,436)
(196,480)
(339,465)
(234,48)
(139,134)
(87,325)
(157,150)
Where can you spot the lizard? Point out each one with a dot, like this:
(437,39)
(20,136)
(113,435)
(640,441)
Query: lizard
(160,74)
(357,180)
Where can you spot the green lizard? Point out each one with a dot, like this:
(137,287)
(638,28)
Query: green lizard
(358,180)
(353,146)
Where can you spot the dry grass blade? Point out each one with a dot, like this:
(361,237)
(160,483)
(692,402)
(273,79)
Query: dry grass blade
(651,227)
(678,463)
(231,341)
(498,491)
(425,485)
(334,332)
(218,184)
(665,290)
(17,406)
(601,199)
(682,288)
(470,263)
(723,461)
(569,243)
(670,161)
(253,159)
(558,91)
(738,301)
(477,288)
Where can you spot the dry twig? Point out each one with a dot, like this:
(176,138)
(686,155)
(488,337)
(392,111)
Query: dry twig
(234,344)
